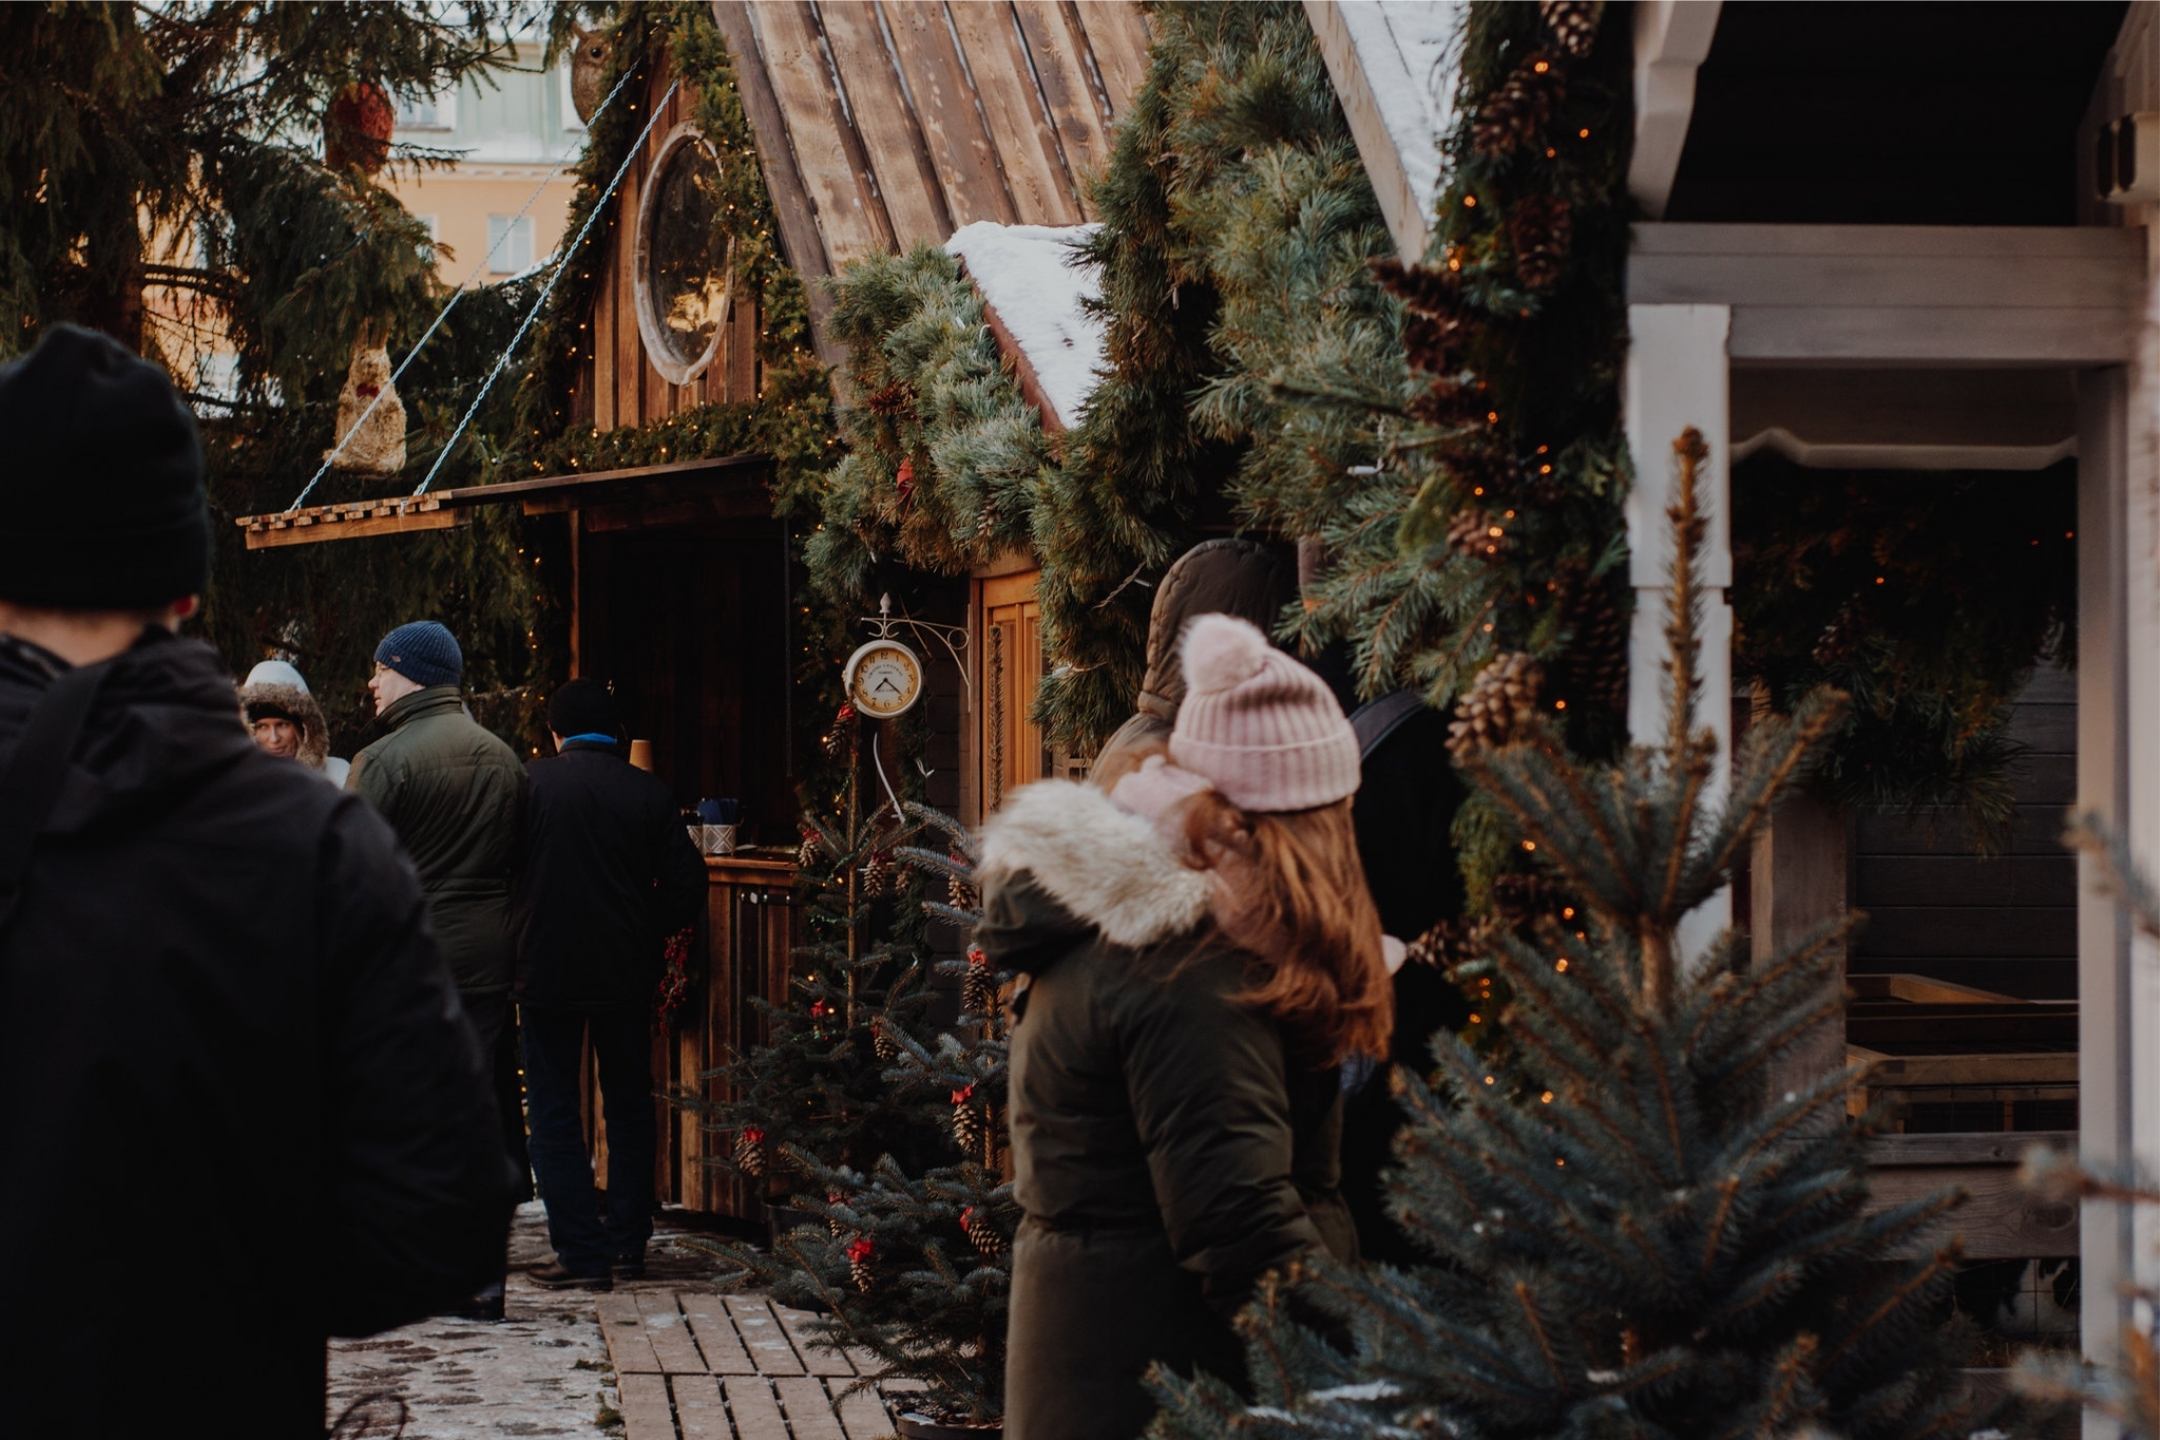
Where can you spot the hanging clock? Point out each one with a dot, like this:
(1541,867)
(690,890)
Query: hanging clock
(884,679)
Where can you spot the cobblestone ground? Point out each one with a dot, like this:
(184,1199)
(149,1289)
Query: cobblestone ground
(543,1372)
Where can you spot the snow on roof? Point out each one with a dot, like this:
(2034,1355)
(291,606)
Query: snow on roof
(1404,47)
(1024,276)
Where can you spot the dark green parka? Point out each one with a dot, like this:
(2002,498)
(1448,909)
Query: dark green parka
(1168,1151)
(455,795)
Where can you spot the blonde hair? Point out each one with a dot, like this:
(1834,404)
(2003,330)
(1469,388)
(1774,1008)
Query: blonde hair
(1292,895)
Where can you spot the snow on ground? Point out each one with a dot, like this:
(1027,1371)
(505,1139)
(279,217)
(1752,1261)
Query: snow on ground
(542,1372)
(1021,272)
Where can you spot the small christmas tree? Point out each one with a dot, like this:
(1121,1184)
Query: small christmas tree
(915,1264)
(1630,1235)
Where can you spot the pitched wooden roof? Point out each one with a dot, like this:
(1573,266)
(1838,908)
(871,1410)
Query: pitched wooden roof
(881,124)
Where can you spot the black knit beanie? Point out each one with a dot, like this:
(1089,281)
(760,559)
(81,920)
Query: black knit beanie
(584,707)
(101,502)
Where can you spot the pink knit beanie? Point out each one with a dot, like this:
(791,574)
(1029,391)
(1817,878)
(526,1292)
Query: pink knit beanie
(1257,725)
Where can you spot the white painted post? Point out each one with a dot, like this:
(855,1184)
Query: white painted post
(1677,376)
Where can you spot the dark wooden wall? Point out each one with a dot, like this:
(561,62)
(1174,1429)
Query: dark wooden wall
(618,386)
(692,624)
(2007,923)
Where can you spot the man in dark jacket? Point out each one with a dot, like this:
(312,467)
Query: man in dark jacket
(609,873)
(233,1054)
(454,794)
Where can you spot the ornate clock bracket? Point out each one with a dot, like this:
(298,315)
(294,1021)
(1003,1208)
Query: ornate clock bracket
(953,637)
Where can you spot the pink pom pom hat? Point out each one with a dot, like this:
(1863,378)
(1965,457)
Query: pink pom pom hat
(1261,728)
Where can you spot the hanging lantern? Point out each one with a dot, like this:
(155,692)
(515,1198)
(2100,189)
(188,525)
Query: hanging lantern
(356,128)
(370,417)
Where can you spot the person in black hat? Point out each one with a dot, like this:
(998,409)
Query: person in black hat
(609,873)
(218,990)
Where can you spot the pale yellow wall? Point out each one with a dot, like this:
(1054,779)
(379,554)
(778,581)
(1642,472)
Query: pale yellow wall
(461,204)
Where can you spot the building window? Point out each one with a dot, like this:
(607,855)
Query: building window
(430,112)
(509,244)
(685,258)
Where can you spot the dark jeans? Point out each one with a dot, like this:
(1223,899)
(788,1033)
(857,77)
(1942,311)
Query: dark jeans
(622,1043)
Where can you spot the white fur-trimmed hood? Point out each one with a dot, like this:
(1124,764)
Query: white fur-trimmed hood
(1107,866)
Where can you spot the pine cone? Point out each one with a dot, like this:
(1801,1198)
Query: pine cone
(1595,663)
(1475,532)
(1448,402)
(958,892)
(860,1251)
(884,1046)
(806,854)
(1512,115)
(1499,704)
(749,1151)
(982,1234)
(877,874)
(966,1120)
(832,1222)
(987,524)
(1446,945)
(1572,23)
(979,987)
(1540,228)
(892,399)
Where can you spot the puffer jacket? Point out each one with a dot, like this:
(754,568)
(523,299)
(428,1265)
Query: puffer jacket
(1223,576)
(234,1057)
(1168,1149)
(455,795)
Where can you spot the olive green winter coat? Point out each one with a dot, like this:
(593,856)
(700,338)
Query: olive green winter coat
(455,796)
(1168,1151)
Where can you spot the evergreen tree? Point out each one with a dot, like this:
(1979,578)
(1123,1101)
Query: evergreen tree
(1630,1235)
(910,1261)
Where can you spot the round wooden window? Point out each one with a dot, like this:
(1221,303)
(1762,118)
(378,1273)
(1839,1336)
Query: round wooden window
(684,258)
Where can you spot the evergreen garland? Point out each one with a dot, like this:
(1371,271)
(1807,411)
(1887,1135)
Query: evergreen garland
(944,457)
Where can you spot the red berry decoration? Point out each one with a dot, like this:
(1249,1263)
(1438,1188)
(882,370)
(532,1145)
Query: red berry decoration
(860,1251)
(904,480)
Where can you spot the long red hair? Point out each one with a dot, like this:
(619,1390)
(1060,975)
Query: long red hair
(1291,893)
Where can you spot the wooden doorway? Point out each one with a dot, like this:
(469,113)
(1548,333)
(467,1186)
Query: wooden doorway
(1009,750)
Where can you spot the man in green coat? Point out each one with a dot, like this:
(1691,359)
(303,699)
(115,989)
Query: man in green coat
(455,795)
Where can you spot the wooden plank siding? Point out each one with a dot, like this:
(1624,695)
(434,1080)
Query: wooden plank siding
(2006,923)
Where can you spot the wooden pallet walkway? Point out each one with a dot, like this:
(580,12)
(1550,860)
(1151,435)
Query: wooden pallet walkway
(693,1365)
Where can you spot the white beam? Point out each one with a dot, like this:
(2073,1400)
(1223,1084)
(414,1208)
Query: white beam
(1672,39)
(1392,72)
(1678,376)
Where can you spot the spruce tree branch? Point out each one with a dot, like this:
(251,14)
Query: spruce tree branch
(1944,1262)
(1528,1306)
(1817,721)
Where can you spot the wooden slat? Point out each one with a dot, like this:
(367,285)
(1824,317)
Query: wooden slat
(1895,281)
(824,148)
(1895,1152)
(1945,334)
(793,210)
(716,1337)
(2122,243)
(952,128)
(809,1409)
(1999,1220)
(624,1330)
(1921,990)
(892,142)
(862,1414)
(1117,34)
(762,1336)
(1078,108)
(1900,1072)
(667,1333)
(1042,189)
(628,356)
(1967,931)
(2007,880)
(599,340)
(757,1415)
(818,1357)
(308,532)
(699,1413)
(645,1409)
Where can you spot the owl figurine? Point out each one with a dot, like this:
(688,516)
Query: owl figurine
(376,445)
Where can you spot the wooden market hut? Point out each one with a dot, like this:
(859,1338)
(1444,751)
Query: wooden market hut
(878,125)
(1921,283)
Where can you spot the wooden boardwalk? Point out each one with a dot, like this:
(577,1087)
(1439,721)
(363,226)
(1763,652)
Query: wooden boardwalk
(698,1366)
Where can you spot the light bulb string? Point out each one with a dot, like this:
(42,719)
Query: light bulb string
(553,173)
(562,265)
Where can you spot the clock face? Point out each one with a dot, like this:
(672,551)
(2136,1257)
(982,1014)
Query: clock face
(884,679)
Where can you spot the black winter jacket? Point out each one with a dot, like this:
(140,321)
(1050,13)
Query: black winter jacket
(608,873)
(454,794)
(245,1110)
(1167,1150)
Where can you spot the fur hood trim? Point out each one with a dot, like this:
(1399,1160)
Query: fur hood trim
(305,712)
(1107,866)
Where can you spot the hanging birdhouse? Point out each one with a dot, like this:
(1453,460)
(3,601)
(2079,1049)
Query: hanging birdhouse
(370,417)
(356,128)
(588,71)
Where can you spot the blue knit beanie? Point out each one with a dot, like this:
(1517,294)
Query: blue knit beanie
(424,652)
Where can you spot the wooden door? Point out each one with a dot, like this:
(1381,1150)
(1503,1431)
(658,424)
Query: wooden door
(1010,745)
